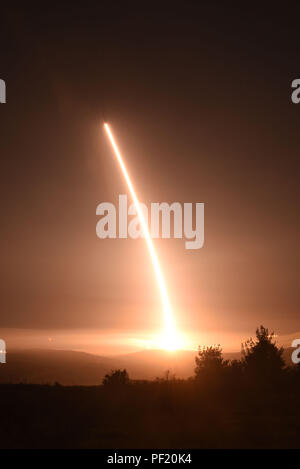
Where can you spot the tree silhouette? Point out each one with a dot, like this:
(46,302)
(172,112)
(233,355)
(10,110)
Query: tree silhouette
(116,378)
(209,361)
(262,358)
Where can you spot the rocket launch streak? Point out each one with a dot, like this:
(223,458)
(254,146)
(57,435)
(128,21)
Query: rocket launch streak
(170,340)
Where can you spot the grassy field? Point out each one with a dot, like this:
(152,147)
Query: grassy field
(165,414)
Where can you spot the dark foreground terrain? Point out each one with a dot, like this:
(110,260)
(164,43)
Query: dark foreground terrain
(166,414)
(247,403)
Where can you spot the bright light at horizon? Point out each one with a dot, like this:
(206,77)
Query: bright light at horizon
(169,339)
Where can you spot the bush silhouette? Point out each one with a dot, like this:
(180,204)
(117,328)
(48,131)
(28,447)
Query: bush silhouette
(210,363)
(262,359)
(116,378)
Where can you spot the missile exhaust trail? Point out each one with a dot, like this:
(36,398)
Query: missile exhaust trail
(169,325)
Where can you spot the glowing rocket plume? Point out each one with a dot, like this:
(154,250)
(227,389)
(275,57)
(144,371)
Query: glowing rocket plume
(170,340)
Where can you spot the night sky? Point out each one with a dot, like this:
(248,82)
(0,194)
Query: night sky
(199,97)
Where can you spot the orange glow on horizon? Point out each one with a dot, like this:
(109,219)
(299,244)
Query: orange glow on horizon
(169,339)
